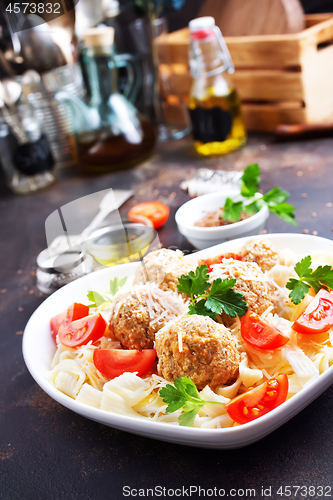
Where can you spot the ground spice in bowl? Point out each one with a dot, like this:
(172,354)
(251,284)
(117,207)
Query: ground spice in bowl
(215,219)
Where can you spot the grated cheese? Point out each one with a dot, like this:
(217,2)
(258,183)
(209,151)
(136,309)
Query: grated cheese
(180,341)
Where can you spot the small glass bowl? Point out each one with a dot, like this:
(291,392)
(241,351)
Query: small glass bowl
(119,243)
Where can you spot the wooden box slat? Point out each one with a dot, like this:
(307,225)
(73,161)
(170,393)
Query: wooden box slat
(254,85)
(262,51)
(280,78)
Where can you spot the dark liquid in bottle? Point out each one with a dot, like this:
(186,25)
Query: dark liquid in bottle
(217,122)
(100,151)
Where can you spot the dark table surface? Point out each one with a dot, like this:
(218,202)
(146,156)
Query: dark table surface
(48,452)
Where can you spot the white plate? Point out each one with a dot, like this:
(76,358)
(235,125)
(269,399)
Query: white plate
(38,350)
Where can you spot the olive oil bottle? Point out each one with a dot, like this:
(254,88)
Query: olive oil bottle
(214,105)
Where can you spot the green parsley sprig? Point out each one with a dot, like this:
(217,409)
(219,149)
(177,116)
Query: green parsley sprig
(322,277)
(250,201)
(184,394)
(220,298)
(97,299)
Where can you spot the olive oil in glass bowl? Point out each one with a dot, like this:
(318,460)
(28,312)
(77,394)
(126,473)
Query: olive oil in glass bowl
(119,243)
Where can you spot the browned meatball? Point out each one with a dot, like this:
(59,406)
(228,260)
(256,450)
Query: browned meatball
(261,252)
(198,348)
(138,313)
(162,267)
(257,290)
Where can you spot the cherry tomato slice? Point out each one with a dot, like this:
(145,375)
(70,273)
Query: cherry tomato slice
(155,211)
(114,362)
(318,316)
(218,260)
(81,331)
(260,334)
(259,401)
(74,312)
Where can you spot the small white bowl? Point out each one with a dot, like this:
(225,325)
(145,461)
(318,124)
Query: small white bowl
(204,237)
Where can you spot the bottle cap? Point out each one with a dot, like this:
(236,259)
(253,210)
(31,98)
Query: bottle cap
(202,28)
(201,23)
(112,9)
(102,36)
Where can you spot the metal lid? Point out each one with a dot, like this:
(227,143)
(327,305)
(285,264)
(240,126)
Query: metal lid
(63,262)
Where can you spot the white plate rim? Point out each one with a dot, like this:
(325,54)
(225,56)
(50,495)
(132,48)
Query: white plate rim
(228,438)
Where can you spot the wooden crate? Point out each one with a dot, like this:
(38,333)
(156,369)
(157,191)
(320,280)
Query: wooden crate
(281,79)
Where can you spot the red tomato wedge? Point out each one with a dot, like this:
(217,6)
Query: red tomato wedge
(155,211)
(114,362)
(318,316)
(218,260)
(74,312)
(260,334)
(81,331)
(258,401)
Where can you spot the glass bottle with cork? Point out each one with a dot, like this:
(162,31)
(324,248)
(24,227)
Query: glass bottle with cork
(214,104)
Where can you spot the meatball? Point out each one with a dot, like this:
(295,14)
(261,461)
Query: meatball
(198,348)
(256,288)
(163,267)
(261,252)
(137,314)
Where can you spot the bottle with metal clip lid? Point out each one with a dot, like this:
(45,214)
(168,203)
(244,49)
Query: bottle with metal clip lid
(214,104)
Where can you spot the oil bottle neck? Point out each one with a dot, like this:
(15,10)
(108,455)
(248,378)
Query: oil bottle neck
(102,74)
(209,54)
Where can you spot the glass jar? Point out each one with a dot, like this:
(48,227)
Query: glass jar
(25,155)
(109,131)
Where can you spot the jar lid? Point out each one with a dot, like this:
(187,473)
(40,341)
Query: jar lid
(63,262)
(112,9)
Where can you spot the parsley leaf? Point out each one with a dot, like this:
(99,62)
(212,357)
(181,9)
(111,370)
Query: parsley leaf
(116,284)
(232,210)
(275,196)
(97,299)
(303,268)
(250,202)
(250,180)
(184,394)
(298,290)
(253,207)
(220,297)
(201,309)
(194,283)
(188,416)
(322,277)
(285,212)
